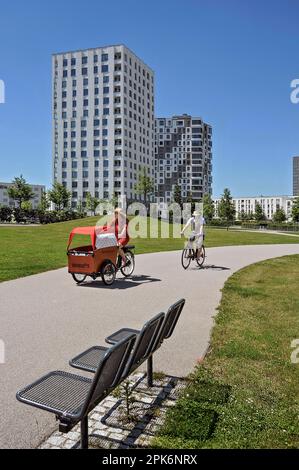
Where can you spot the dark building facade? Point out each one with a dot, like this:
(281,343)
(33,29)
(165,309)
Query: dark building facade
(183,157)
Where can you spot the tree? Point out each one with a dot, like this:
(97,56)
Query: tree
(208,208)
(60,196)
(295,210)
(145,185)
(44,204)
(92,203)
(226,209)
(177,195)
(80,209)
(259,213)
(279,216)
(20,191)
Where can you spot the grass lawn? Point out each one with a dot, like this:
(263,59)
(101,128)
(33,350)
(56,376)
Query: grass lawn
(30,250)
(245,393)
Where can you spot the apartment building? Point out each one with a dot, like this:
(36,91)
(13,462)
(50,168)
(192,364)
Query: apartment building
(269,204)
(295,176)
(5,200)
(183,156)
(103,121)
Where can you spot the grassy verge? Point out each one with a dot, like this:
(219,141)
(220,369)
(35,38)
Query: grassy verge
(30,250)
(245,394)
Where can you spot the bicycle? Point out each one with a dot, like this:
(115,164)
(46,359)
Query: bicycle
(190,254)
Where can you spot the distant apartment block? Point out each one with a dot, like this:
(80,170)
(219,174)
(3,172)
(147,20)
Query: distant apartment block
(103,121)
(183,156)
(269,204)
(295,176)
(6,201)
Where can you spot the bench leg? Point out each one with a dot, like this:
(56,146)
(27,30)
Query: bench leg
(150,371)
(84,433)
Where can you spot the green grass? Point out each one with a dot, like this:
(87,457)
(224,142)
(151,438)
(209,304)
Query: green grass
(30,250)
(247,379)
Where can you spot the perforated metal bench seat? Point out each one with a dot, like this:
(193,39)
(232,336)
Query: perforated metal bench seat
(59,392)
(121,334)
(90,359)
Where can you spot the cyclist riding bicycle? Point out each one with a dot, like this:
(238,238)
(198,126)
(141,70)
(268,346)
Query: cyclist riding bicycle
(197,223)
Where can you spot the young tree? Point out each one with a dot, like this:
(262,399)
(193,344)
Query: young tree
(295,210)
(208,208)
(259,213)
(92,203)
(279,216)
(20,191)
(177,195)
(80,209)
(145,185)
(60,196)
(44,204)
(226,209)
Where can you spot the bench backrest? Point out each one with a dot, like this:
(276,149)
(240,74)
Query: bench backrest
(109,372)
(171,319)
(145,342)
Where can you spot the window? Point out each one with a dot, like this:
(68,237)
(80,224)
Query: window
(64,62)
(96,122)
(105,68)
(106,79)
(106,100)
(104,57)
(73,72)
(105,122)
(96,153)
(95,58)
(85,174)
(105,90)
(65,73)
(84,71)
(83,123)
(105,132)
(85,92)
(85,163)
(96,69)
(106,111)
(105,143)
(83,154)
(73,61)
(84,60)
(85,81)
(85,113)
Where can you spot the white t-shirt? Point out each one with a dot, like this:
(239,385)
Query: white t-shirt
(197,225)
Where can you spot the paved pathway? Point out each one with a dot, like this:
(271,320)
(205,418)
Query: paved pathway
(46,319)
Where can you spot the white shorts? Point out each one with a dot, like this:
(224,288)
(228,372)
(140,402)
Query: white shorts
(198,242)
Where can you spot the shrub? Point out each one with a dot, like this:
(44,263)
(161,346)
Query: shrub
(5,214)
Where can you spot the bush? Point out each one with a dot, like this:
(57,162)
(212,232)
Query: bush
(5,214)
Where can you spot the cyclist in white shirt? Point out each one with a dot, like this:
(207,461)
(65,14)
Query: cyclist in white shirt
(197,223)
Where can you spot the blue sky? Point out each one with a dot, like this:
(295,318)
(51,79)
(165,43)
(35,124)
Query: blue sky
(229,61)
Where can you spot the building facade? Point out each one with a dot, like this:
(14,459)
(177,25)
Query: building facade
(183,156)
(269,204)
(103,121)
(295,176)
(5,200)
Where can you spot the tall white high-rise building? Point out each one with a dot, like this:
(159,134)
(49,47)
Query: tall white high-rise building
(103,121)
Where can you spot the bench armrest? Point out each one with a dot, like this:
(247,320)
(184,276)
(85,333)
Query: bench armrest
(120,334)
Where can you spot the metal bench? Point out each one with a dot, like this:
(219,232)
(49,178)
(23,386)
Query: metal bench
(147,339)
(149,335)
(71,397)
(167,328)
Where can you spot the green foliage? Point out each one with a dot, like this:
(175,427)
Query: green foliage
(208,208)
(145,185)
(279,216)
(60,196)
(20,191)
(177,195)
(226,209)
(259,213)
(92,203)
(295,210)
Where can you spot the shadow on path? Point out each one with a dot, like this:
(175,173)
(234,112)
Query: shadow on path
(133,281)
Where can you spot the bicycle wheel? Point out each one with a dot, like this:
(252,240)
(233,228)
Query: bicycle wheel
(79,278)
(200,261)
(186,258)
(108,273)
(128,269)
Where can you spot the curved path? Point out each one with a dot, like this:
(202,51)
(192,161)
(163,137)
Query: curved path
(46,319)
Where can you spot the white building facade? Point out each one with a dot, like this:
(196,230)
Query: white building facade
(5,200)
(103,122)
(183,157)
(269,204)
